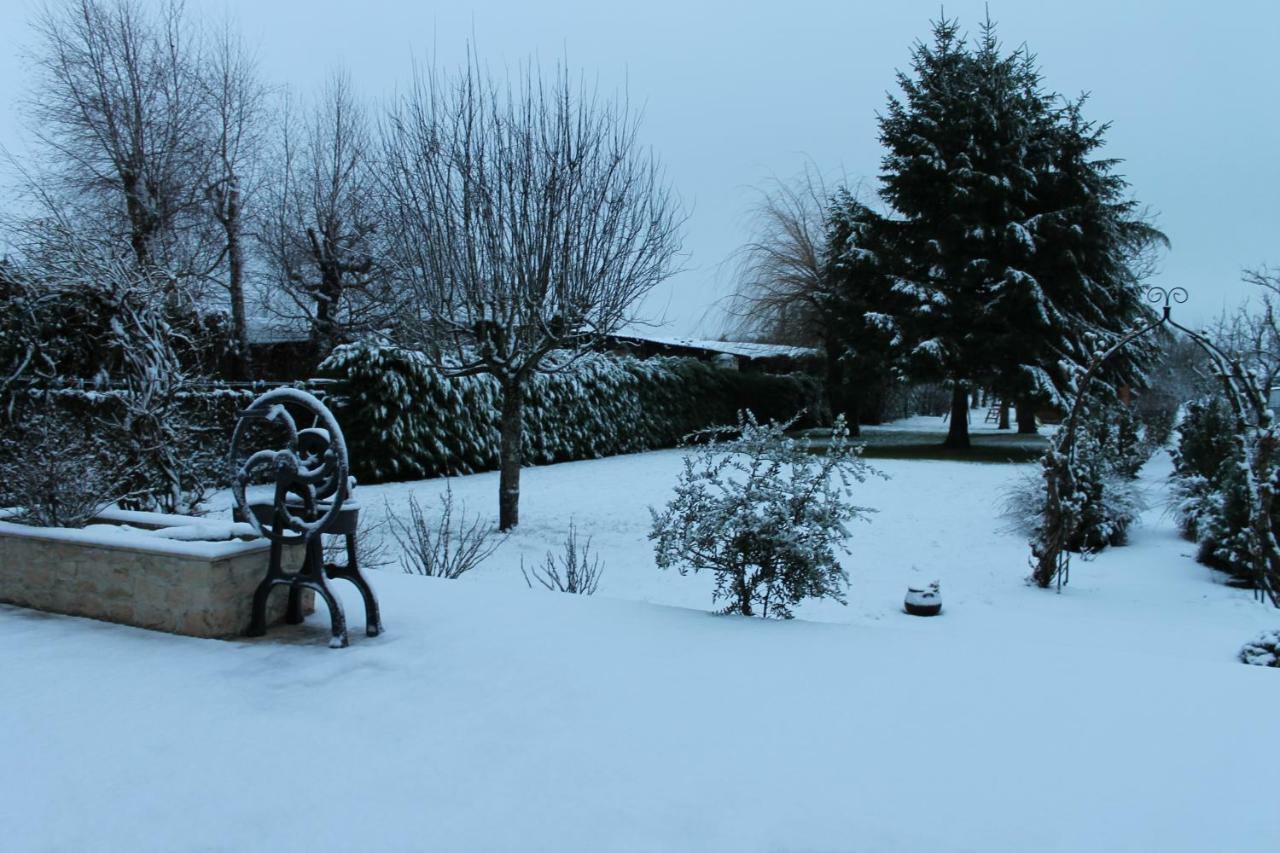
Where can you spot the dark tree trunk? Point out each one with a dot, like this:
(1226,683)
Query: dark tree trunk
(834,384)
(958,432)
(509,454)
(853,414)
(1004,414)
(1026,417)
(744,595)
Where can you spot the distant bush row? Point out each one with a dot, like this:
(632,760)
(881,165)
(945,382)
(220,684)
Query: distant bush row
(405,420)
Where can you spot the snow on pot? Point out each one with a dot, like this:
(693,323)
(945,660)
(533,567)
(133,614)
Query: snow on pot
(923,601)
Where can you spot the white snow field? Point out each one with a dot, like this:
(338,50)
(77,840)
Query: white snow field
(1112,717)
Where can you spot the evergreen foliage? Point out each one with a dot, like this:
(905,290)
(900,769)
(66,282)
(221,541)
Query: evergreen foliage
(1015,246)
(1263,651)
(1209,488)
(406,420)
(1098,499)
(766,514)
(860,299)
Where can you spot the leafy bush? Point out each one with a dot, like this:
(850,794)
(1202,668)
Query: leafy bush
(56,473)
(1084,498)
(766,513)
(1104,503)
(576,570)
(404,420)
(1264,651)
(176,443)
(1209,493)
(442,547)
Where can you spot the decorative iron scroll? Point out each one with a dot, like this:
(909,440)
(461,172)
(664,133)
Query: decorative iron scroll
(311,497)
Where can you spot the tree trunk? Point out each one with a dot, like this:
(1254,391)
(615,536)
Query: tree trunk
(958,433)
(834,384)
(1004,414)
(853,414)
(509,454)
(1026,417)
(242,367)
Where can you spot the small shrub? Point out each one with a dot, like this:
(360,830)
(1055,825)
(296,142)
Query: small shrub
(765,513)
(371,545)
(441,548)
(56,473)
(1105,500)
(576,570)
(1264,651)
(1209,493)
(1205,446)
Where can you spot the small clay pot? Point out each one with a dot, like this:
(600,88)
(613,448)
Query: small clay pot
(923,601)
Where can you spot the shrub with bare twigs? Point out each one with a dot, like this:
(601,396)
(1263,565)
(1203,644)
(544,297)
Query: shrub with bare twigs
(441,547)
(576,570)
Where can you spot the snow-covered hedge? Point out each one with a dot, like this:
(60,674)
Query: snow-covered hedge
(405,420)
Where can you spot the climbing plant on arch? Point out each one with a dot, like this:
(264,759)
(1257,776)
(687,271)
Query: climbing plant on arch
(1255,431)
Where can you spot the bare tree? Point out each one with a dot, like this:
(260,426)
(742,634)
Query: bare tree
(809,276)
(235,101)
(527,221)
(781,283)
(118,112)
(322,233)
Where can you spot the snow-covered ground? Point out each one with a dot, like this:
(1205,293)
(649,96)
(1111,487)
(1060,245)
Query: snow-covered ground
(1112,717)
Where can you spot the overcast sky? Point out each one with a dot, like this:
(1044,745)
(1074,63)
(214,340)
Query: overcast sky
(737,92)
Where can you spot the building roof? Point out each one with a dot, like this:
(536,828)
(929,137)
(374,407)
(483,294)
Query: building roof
(742,349)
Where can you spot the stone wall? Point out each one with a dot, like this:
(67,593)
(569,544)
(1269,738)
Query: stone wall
(202,589)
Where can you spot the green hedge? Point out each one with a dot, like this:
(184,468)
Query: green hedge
(405,421)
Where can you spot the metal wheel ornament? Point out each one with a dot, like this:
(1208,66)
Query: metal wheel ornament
(312,465)
(312,487)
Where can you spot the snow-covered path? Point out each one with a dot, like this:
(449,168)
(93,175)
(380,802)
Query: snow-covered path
(492,717)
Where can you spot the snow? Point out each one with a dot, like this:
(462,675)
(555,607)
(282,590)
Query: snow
(746,349)
(189,540)
(1114,716)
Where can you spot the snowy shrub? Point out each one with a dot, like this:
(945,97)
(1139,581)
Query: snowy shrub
(1084,498)
(576,570)
(371,545)
(443,547)
(1105,501)
(57,473)
(1264,651)
(1204,447)
(1209,494)
(404,420)
(766,513)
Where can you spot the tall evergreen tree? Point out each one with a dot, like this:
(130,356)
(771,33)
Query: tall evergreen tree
(955,172)
(1089,238)
(1014,248)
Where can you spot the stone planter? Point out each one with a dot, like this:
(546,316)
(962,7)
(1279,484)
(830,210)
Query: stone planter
(200,589)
